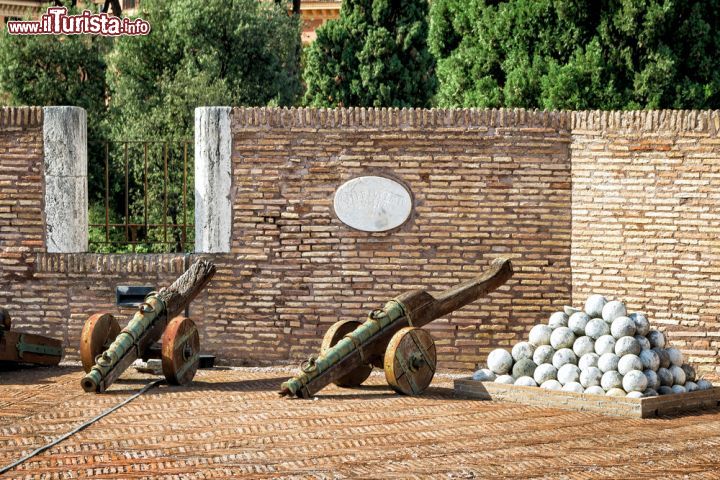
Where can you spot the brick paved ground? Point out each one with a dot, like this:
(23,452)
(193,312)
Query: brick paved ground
(231,423)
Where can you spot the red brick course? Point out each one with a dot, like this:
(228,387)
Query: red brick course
(646,220)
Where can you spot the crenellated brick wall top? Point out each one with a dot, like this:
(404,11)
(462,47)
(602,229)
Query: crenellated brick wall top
(699,121)
(21,116)
(109,263)
(399,118)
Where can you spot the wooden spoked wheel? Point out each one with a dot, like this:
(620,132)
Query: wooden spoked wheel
(5,321)
(336,333)
(180,351)
(410,361)
(97,334)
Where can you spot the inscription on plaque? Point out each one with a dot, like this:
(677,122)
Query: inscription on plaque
(372,204)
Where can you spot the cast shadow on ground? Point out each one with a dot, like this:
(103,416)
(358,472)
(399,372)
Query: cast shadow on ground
(367,392)
(687,414)
(26,374)
(270,384)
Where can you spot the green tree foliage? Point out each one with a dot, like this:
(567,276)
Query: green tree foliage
(574,54)
(42,70)
(215,52)
(374,55)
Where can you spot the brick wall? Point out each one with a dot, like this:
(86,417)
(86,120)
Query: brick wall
(52,294)
(646,220)
(484,183)
(641,205)
(21,189)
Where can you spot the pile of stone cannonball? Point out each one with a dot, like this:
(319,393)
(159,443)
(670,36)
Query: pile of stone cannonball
(600,350)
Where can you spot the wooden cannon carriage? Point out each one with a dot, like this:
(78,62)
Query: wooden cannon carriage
(26,348)
(107,351)
(390,338)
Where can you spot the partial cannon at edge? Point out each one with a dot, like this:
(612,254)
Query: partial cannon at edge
(18,348)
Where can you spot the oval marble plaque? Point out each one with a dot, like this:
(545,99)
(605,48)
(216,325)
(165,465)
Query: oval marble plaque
(372,204)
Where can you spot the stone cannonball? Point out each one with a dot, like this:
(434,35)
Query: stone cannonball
(643,341)
(594,305)
(704,384)
(642,325)
(676,357)
(543,354)
(545,372)
(691,387)
(568,373)
(562,337)
(678,375)
(506,379)
(652,379)
(634,395)
(605,344)
(616,392)
(484,375)
(590,377)
(588,360)
(540,335)
(570,310)
(595,390)
(611,379)
(663,356)
(627,345)
(526,382)
(596,328)
(558,319)
(656,338)
(650,392)
(583,345)
(634,381)
(608,362)
(573,387)
(665,390)
(564,356)
(577,323)
(628,363)
(650,360)
(551,385)
(689,372)
(613,310)
(524,368)
(523,350)
(500,361)
(622,327)
(678,389)
(666,377)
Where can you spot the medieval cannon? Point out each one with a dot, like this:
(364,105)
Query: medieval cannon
(28,348)
(106,351)
(391,338)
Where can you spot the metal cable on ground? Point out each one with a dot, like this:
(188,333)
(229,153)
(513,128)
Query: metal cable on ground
(80,427)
